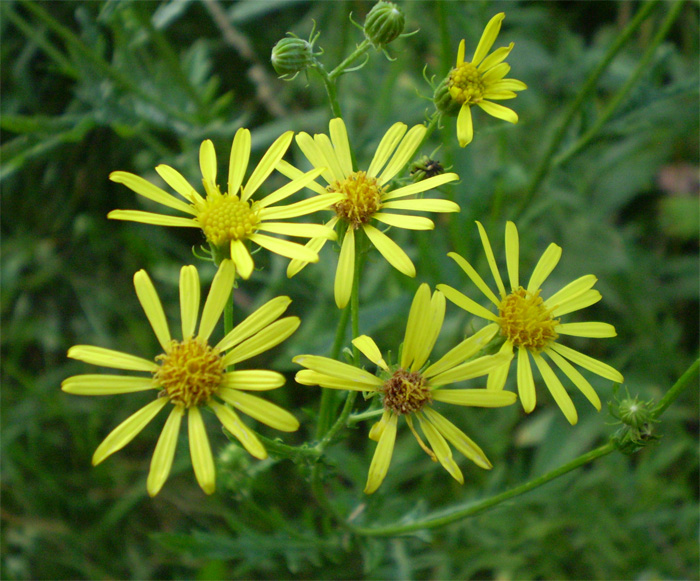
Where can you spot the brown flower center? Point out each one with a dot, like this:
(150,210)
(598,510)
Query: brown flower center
(526,322)
(406,392)
(190,372)
(363,198)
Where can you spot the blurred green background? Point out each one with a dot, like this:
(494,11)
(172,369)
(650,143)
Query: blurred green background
(93,87)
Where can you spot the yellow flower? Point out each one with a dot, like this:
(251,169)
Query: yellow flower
(228,220)
(482,80)
(191,374)
(366,196)
(531,324)
(409,390)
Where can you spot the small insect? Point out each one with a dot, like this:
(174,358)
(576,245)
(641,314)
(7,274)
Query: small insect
(425,168)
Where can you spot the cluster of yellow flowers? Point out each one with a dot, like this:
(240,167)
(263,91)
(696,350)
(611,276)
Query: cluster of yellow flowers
(192,372)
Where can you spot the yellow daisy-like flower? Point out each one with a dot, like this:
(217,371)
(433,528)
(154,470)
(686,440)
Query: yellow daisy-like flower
(229,220)
(366,196)
(531,324)
(482,80)
(409,389)
(191,374)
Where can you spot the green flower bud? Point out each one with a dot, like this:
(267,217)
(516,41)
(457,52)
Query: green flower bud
(633,412)
(444,101)
(637,430)
(292,55)
(384,23)
(425,168)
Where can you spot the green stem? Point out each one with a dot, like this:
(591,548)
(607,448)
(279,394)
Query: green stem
(678,388)
(351,58)
(293,452)
(642,67)
(474,508)
(545,164)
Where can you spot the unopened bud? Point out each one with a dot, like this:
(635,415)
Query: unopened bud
(384,23)
(291,55)
(444,102)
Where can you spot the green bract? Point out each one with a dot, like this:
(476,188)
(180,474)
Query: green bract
(291,55)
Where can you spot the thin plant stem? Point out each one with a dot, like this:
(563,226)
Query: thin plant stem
(455,514)
(545,164)
(615,102)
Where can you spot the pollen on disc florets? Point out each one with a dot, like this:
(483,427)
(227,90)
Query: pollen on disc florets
(466,84)
(406,392)
(227,218)
(526,321)
(363,198)
(190,372)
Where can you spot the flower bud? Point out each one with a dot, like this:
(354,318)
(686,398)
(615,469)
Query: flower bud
(291,55)
(425,168)
(443,100)
(384,23)
(638,422)
(634,413)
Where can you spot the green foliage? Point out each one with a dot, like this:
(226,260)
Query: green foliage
(94,87)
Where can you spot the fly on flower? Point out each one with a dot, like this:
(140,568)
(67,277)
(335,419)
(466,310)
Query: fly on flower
(229,220)
(191,374)
(366,196)
(410,388)
(530,324)
(480,82)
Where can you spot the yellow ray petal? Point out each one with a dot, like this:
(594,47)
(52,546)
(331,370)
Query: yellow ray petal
(499,111)
(382,456)
(127,430)
(497,378)
(337,369)
(230,420)
(218,296)
(590,329)
(238,161)
(242,259)
(526,382)
(146,189)
(415,326)
(302,208)
(556,389)
(293,173)
(164,453)
(369,349)
(200,451)
(403,154)
(431,330)
(482,398)
(512,255)
(580,301)
(95,384)
(593,365)
(254,322)
(546,264)
(177,181)
(463,351)
(386,147)
(267,164)
(571,290)
(474,277)
(285,247)
(508,85)
(422,205)
(260,409)
(466,303)
(458,438)
(341,144)
(111,358)
(288,189)
(390,250)
(189,300)
(269,337)
(465,126)
(474,368)
(152,218)
(345,271)
(310,149)
(403,221)
(496,57)
(422,186)
(148,297)
(491,260)
(207,165)
(375,432)
(253,380)
(488,37)
(309,377)
(460,53)
(325,146)
(440,448)
(576,378)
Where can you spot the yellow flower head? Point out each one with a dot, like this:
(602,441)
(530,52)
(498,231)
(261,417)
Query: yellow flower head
(530,324)
(191,373)
(410,388)
(229,220)
(482,80)
(366,196)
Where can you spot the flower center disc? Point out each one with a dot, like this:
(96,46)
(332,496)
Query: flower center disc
(363,198)
(465,84)
(526,322)
(190,372)
(227,218)
(405,392)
